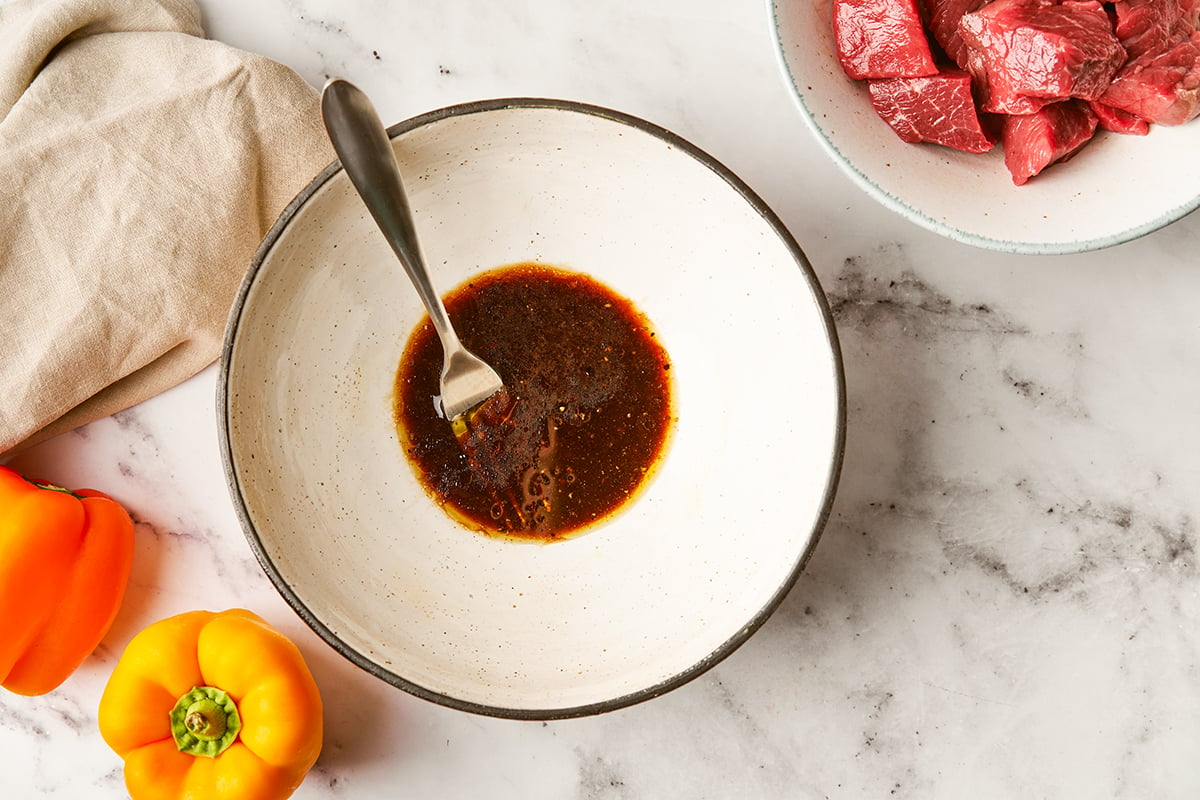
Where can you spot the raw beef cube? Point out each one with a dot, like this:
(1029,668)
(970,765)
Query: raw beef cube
(944,16)
(936,108)
(1033,52)
(1118,121)
(1151,26)
(1033,142)
(1191,12)
(881,39)
(1163,87)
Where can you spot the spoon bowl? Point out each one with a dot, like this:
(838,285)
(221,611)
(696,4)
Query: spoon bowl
(361,143)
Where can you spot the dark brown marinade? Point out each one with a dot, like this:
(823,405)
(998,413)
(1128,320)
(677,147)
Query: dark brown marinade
(585,414)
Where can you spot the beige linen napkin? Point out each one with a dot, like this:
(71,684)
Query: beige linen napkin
(140,167)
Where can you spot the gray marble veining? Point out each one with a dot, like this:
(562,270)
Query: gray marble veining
(1004,603)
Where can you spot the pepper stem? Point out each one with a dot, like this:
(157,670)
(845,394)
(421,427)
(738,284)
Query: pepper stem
(50,487)
(204,722)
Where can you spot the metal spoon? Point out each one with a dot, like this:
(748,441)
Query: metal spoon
(362,144)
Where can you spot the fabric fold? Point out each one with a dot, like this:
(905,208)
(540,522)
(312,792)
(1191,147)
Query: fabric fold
(140,167)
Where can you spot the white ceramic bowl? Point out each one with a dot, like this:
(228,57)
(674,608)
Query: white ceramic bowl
(1116,189)
(630,609)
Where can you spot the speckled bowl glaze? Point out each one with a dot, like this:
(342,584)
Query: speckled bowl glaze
(634,607)
(1116,189)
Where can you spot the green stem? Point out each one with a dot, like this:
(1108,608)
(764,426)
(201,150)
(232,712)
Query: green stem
(205,721)
(50,487)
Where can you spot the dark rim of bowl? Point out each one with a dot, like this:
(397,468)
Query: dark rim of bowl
(370,666)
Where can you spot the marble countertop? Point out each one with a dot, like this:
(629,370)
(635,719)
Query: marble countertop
(1004,602)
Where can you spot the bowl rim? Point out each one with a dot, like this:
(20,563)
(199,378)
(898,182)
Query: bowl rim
(365,663)
(915,215)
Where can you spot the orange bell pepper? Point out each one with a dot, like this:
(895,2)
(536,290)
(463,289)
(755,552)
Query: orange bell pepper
(212,706)
(65,559)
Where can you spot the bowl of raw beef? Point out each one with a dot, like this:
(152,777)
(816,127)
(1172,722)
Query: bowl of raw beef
(1027,126)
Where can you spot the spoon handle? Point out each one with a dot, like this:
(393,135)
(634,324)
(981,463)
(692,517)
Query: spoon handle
(363,146)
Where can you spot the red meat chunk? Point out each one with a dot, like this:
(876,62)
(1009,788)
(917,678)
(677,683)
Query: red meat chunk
(1033,142)
(936,108)
(1118,121)
(944,16)
(1052,71)
(1160,87)
(1027,53)
(1161,80)
(881,39)
(1152,26)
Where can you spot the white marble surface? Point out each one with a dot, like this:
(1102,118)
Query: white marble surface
(1004,603)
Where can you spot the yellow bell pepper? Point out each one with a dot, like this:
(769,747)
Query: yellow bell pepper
(212,706)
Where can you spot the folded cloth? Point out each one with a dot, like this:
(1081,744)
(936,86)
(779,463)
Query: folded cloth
(140,167)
